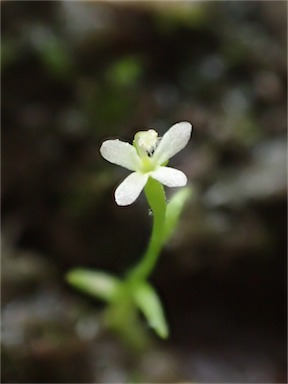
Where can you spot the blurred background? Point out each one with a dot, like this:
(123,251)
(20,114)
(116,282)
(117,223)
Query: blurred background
(75,73)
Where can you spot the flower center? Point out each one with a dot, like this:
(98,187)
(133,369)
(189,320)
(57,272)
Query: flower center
(146,140)
(145,143)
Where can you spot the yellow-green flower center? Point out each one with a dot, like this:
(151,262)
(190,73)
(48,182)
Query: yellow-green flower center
(147,140)
(145,143)
(147,164)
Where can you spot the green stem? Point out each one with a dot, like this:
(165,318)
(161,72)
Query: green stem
(156,198)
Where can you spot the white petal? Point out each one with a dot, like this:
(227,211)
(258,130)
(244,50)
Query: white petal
(120,153)
(175,139)
(169,176)
(130,188)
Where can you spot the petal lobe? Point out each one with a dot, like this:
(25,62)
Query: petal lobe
(170,177)
(175,139)
(120,153)
(128,191)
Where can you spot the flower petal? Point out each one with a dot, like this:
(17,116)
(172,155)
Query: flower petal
(120,153)
(130,188)
(169,176)
(175,139)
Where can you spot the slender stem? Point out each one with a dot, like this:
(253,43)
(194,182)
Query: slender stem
(156,199)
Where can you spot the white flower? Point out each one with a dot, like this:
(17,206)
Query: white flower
(146,158)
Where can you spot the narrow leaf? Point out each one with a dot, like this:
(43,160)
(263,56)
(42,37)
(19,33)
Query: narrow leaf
(98,284)
(148,302)
(156,197)
(173,211)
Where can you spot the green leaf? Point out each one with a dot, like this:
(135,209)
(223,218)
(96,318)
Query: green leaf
(149,303)
(156,197)
(98,284)
(173,211)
